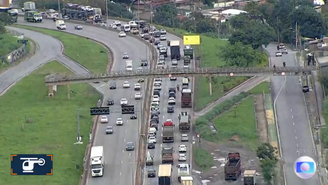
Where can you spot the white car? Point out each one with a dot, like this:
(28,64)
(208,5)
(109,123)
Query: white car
(163,31)
(138,96)
(152,139)
(154,104)
(182,148)
(142,35)
(158,80)
(156,98)
(174,62)
(104,119)
(157,86)
(124,101)
(278,54)
(137,87)
(171,101)
(126,84)
(122,34)
(162,37)
(114,26)
(182,157)
(139,69)
(117,23)
(160,66)
(119,121)
(185,67)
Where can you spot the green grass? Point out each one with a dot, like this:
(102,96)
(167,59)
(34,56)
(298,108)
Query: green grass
(259,89)
(32,122)
(240,122)
(8,43)
(90,54)
(203,158)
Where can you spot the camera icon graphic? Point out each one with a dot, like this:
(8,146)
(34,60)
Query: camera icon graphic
(305,167)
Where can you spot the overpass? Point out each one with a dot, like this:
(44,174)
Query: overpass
(57,79)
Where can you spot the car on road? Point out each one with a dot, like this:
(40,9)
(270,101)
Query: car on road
(185,66)
(278,54)
(182,157)
(155,98)
(126,84)
(174,62)
(124,101)
(110,101)
(170,109)
(173,78)
(151,173)
(138,96)
(122,34)
(162,57)
(129,146)
(147,36)
(104,119)
(117,23)
(284,51)
(133,116)
(157,42)
(112,85)
(163,32)
(172,94)
(140,80)
(78,27)
(162,38)
(109,130)
(171,101)
(137,87)
(151,145)
(152,139)
(184,138)
(144,62)
(182,148)
(125,56)
(113,26)
(119,121)
(157,86)
(172,89)
(160,45)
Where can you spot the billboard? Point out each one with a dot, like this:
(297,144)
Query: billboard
(5,4)
(191,39)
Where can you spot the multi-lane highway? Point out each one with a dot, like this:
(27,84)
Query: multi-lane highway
(294,127)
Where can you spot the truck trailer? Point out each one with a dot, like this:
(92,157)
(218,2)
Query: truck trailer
(187,180)
(232,168)
(97,161)
(186,101)
(168,134)
(167,155)
(175,50)
(32,16)
(183,170)
(250,177)
(164,174)
(188,51)
(184,121)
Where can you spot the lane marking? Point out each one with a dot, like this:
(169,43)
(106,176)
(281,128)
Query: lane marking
(122,162)
(294,130)
(293,123)
(123,151)
(295,137)
(291,110)
(292,116)
(297,145)
(120,173)
(124,140)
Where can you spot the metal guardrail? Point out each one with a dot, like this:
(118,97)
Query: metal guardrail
(229,71)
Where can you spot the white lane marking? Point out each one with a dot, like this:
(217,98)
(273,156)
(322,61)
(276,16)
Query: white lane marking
(294,130)
(120,173)
(291,110)
(123,151)
(102,85)
(297,145)
(130,154)
(292,116)
(122,162)
(293,123)
(295,137)
(124,140)
(163,117)
(126,131)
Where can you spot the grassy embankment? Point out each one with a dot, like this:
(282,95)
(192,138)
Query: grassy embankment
(35,123)
(8,43)
(233,120)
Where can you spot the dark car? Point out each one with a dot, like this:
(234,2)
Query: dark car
(155,120)
(157,92)
(173,78)
(157,42)
(172,94)
(129,146)
(147,37)
(184,86)
(170,109)
(133,117)
(154,125)
(78,27)
(151,145)
(112,85)
(110,101)
(140,80)
(157,34)
(172,89)
(144,62)
(109,130)
(151,173)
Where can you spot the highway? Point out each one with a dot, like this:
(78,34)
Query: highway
(294,127)
(119,164)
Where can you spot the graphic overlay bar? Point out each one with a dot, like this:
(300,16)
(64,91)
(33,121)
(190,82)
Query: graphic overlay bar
(191,40)
(31,164)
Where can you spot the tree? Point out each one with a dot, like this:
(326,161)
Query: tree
(266,151)
(2,28)
(254,33)
(267,167)
(5,18)
(198,23)
(119,10)
(166,15)
(240,55)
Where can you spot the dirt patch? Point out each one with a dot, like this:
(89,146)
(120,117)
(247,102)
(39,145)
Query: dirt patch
(261,122)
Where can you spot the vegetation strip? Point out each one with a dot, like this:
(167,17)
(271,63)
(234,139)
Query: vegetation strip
(90,54)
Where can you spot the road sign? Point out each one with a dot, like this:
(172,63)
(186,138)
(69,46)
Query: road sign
(128,109)
(231,74)
(191,40)
(99,111)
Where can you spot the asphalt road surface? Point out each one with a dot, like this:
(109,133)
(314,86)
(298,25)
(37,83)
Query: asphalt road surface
(119,164)
(294,127)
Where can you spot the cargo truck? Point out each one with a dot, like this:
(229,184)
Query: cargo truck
(183,170)
(60,24)
(28,6)
(32,16)
(164,174)
(97,161)
(186,180)
(184,121)
(14,15)
(186,101)
(188,51)
(175,49)
(250,177)
(168,134)
(186,60)
(167,155)
(232,168)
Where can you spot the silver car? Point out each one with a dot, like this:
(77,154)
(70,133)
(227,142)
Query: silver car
(109,130)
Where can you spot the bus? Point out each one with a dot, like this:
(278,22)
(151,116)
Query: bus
(164,174)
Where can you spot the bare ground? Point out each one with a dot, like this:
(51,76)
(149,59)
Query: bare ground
(215,176)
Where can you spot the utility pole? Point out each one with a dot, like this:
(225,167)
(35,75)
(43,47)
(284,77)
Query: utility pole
(151,14)
(58,8)
(78,125)
(138,14)
(296,36)
(106,12)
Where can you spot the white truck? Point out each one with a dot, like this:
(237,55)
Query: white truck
(97,162)
(183,170)
(129,65)
(186,180)
(60,24)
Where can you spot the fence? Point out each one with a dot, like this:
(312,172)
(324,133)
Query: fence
(16,54)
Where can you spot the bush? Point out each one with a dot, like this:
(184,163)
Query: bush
(203,158)
(202,123)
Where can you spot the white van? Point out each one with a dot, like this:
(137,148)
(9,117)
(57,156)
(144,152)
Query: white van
(152,131)
(185,81)
(129,66)
(133,24)
(126,28)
